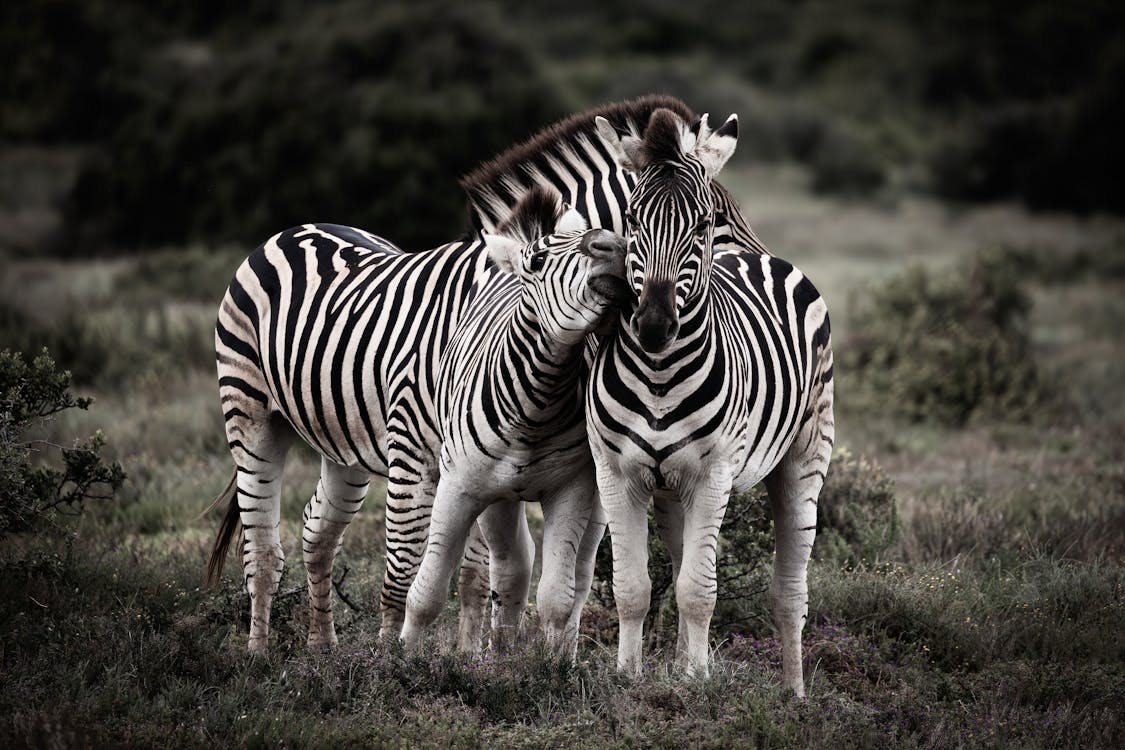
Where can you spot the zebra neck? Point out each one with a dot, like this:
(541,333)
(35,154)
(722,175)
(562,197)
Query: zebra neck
(538,373)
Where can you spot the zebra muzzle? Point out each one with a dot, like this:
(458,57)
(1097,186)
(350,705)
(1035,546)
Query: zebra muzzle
(607,277)
(655,322)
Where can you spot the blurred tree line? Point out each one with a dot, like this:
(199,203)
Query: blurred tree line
(216,121)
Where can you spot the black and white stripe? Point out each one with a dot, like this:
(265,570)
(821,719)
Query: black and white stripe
(511,395)
(721,377)
(333,335)
(743,390)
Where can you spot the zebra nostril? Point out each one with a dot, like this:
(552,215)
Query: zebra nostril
(602,244)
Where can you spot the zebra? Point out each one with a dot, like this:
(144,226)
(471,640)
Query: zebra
(720,377)
(510,399)
(594,159)
(334,335)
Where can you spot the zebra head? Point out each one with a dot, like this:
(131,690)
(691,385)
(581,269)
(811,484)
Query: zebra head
(571,275)
(670,217)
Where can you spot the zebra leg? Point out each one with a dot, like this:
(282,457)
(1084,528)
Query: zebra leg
(338,497)
(626,507)
(668,512)
(584,571)
(794,487)
(565,516)
(259,453)
(472,591)
(453,514)
(511,554)
(410,495)
(696,584)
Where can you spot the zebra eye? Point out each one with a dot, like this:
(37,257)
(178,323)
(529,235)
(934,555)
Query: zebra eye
(537,261)
(701,227)
(631,221)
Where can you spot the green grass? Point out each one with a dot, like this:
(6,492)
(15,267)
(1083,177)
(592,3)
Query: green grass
(994,618)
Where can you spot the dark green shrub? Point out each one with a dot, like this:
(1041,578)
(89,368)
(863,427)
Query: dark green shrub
(345,113)
(944,346)
(857,519)
(33,491)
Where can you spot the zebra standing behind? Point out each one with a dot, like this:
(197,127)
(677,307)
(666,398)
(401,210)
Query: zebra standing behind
(333,335)
(510,404)
(720,378)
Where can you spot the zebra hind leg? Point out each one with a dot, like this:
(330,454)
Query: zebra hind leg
(794,488)
(259,451)
(338,497)
(668,512)
(472,591)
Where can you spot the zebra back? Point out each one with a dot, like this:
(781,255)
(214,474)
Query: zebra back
(570,158)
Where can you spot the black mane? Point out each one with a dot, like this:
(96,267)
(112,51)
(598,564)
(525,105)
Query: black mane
(662,137)
(534,216)
(489,182)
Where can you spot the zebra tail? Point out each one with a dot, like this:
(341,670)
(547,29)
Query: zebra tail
(227,530)
(223,494)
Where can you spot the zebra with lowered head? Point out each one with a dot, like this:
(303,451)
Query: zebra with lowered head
(334,336)
(510,404)
(720,377)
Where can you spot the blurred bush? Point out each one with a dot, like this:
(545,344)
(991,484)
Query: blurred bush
(226,122)
(34,491)
(857,518)
(346,112)
(944,346)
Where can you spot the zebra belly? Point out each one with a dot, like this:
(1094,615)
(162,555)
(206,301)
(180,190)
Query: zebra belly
(531,473)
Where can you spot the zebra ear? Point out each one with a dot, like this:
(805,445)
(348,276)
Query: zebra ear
(504,251)
(714,148)
(625,151)
(571,221)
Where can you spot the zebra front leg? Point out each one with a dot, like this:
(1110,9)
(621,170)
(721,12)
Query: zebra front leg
(668,513)
(453,514)
(338,497)
(511,555)
(565,516)
(410,495)
(584,571)
(472,591)
(696,583)
(626,507)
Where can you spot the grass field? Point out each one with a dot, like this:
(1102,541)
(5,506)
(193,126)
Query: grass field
(995,619)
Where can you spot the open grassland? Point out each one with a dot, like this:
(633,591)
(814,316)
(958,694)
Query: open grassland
(990,613)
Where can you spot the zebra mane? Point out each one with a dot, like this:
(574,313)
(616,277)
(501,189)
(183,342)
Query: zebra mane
(534,216)
(663,137)
(497,184)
